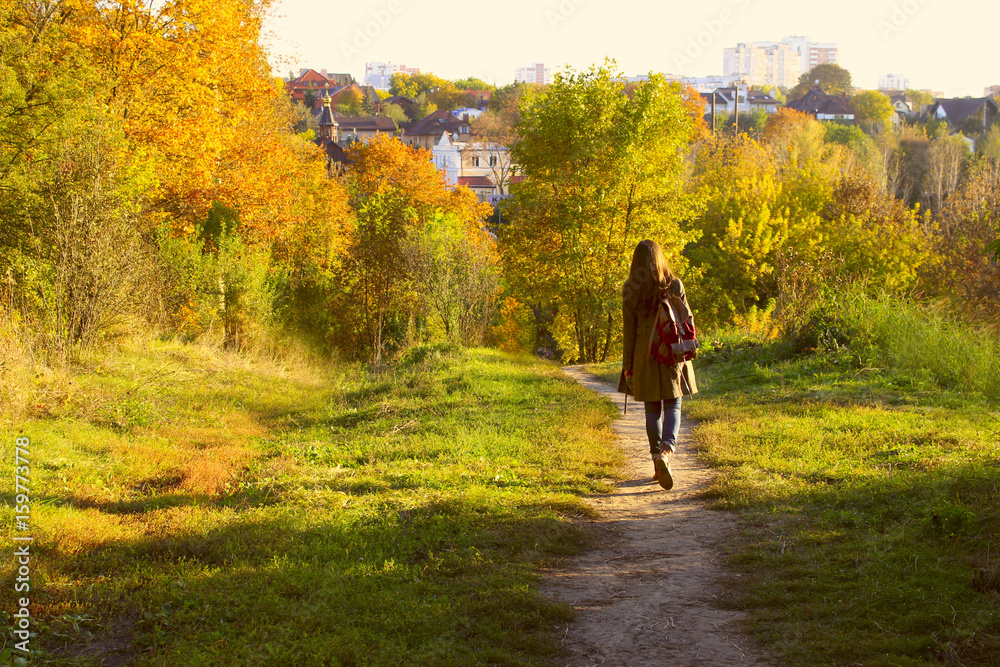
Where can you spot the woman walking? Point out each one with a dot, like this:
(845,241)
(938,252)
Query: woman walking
(659,386)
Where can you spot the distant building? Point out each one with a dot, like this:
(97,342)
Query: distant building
(706,84)
(992,91)
(763,64)
(893,82)
(379,75)
(720,103)
(536,73)
(813,53)
(969,114)
(344,130)
(316,84)
(471,114)
(821,106)
(474,165)
(426,132)
(726,101)
(901,104)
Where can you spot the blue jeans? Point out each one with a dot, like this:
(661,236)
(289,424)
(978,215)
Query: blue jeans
(662,433)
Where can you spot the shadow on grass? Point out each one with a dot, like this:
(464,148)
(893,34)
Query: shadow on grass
(445,582)
(877,570)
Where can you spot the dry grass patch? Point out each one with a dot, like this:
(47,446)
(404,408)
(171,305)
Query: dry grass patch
(211,470)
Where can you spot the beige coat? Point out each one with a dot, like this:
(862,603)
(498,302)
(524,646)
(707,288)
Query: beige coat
(651,380)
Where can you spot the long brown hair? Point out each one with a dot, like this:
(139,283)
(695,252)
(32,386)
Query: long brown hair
(648,277)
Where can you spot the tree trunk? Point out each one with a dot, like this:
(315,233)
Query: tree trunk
(607,339)
(581,342)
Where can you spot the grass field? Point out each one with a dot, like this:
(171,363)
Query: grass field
(870,505)
(198,508)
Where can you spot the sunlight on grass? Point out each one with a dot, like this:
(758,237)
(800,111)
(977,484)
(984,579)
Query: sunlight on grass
(869,503)
(195,507)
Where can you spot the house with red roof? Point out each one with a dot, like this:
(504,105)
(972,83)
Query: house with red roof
(317,84)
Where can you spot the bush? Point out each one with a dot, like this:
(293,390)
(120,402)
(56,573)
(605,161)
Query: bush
(910,337)
(83,262)
(516,330)
(218,284)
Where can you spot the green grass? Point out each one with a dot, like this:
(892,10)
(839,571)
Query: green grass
(869,502)
(609,371)
(863,458)
(197,508)
(918,340)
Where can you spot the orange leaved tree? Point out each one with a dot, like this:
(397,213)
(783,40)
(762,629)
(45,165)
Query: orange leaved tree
(398,197)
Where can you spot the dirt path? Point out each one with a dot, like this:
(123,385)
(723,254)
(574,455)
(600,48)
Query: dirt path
(648,594)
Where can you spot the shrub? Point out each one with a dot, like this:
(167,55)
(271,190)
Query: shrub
(84,262)
(217,283)
(919,338)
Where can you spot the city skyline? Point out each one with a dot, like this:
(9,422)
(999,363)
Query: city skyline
(936,46)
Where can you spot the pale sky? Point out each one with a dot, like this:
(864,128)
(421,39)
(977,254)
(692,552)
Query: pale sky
(945,45)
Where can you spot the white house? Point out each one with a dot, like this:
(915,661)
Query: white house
(749,100)
(473,164)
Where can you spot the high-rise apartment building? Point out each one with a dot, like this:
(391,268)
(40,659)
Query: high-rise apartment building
(763,64)
(536,73)
(893,82)
(378,75)
(813,53)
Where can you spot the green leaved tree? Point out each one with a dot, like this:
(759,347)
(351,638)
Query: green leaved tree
(873,111)
(833,79)
(602,172)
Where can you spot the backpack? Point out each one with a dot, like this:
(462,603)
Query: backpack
(672,341)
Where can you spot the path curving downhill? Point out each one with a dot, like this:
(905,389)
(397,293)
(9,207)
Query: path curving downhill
(649,594)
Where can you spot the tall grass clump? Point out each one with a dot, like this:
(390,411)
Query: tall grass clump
(923,339)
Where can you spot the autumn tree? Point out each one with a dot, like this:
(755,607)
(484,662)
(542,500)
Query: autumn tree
(793,201)
(397,195)
(473,83)
(796,138)
(920,99)
(395,112)
(945,158)
(967,227)
(350,103)
(509,96)
(434,90)
(833,79)
(746,222)
(873,111)
(455,270)
(192,83)
(873,234)
(48,92)
(193,123)
(602,172)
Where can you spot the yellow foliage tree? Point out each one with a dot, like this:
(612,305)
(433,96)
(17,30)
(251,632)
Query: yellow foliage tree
(602,172)
(397,194)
